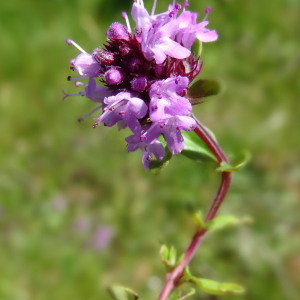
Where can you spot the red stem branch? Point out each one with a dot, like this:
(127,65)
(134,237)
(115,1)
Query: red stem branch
(176,274)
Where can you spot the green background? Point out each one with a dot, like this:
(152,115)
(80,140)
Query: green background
(56,173)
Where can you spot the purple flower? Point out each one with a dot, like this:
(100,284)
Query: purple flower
(145,75)
(156,148)
(170,128)
(165,101)
(124,106)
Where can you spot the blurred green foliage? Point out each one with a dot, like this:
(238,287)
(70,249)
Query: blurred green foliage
(65,185)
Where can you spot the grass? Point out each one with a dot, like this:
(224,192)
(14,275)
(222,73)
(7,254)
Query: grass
(55,171)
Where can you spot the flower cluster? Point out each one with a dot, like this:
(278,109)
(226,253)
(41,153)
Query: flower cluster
(146,75)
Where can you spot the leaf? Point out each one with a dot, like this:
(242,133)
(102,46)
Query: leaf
(176,295)
(218,288)
(226,221)
(168,257)
(198,219)
(197,48)
(121,293)
(214,287)
(172,256)
(190,293)
(203,88)
(241,160)
(196,149)
(156,167)
(164,252)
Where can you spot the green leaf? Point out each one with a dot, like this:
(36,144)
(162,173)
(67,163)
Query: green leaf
(196,149)
(164,253)
(214,287)
(190,293)
(226,221)
(203,88)
(176,295)
(198,219)
(218,288)
(172,256)
(121,293)
(197,48)
(168,257)
(156,167)
(237,164)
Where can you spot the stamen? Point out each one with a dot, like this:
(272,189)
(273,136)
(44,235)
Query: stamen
(83,118)
(185,4)
(70,42)
(149,157)
(125,17)
(207,10)
(153,8)
(69,95)
(179,127)
(143,137)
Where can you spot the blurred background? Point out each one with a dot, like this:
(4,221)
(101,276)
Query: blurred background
(78,213)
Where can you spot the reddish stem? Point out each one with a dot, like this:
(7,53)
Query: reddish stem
(176,274)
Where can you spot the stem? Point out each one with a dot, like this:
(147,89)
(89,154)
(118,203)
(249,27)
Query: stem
(176,274)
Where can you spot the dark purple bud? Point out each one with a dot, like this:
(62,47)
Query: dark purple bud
(117,31)
(134,64)
(105,57)
(158,70)
(139,84)
(114,77)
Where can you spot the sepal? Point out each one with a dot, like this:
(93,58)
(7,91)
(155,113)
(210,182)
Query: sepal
(118,292)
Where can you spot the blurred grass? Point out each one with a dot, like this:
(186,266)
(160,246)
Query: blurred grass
(56,172)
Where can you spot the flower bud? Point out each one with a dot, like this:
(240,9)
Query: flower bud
(139,84)
(114,76)
(117,31)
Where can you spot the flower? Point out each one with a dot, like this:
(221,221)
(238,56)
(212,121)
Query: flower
(146,74)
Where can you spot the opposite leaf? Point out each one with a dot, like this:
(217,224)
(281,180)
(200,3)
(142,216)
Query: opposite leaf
(121,293)
(226,221)
(196,149)
(237,163)
(213,287)
(218,288)
(176,295)
(201,89)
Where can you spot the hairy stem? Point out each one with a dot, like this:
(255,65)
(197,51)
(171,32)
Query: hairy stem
(176,274)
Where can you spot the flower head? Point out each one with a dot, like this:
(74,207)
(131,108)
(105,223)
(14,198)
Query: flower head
(146,74)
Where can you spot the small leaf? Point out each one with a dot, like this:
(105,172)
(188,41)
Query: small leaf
(164,252)
(195,148)
(226,221)
(201,89)
(213,287)
(219,288)
(176,295)
(197,48)
(156,167)
(172,257)
(168,257)
(238,163)
(198,219)
(121,293)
